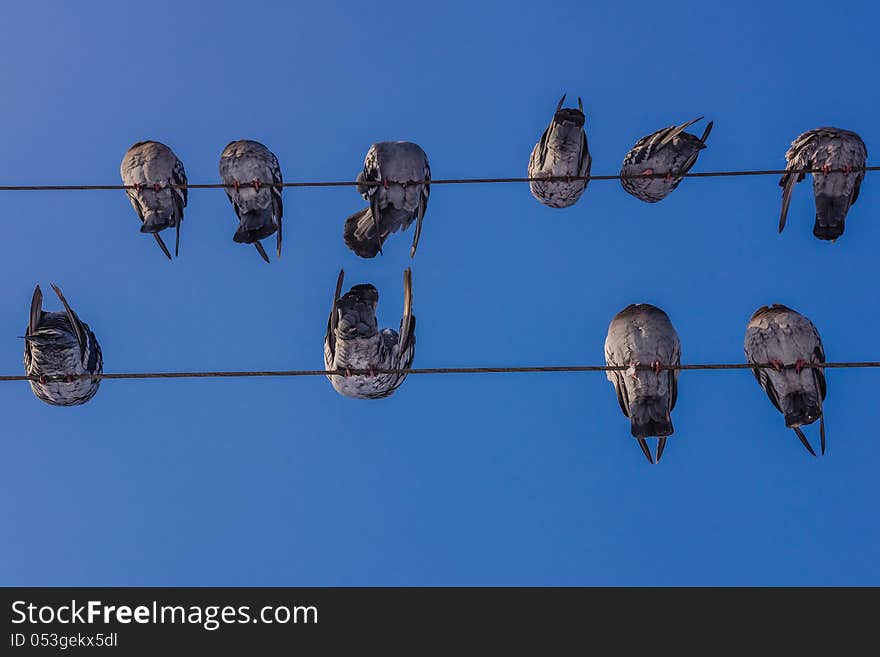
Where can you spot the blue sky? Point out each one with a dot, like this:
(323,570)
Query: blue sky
(499,479)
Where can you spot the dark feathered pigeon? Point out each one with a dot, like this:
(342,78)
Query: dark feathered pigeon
(253,170)
(58,346)
(671,151)
(562,151)
(828,149)
(354,342)
(152,168)
(395,203)
(788,341)
(641,334)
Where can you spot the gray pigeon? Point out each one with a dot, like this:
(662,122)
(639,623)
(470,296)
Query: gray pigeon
(642,335)
(58,346)
(354,342)
(253,171)
(562,151)
(788,341)
(671,151)
(152,168)
(395,202)
(827,149)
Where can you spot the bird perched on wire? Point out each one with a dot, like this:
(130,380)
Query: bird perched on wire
(59,346)
(841,155)
(154,173)
(354,342)
(401,175)
(253,178)
(789,342)
(670,151)
(640,336)
(561,152)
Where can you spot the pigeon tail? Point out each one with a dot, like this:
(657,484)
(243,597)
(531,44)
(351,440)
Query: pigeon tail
(359,234)
(156,221)
(569,115)
(830,216)
(357,309)
(650,417)
(800,408)
(255,226)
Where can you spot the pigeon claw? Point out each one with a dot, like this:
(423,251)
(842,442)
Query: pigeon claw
(42,379)
(668,177)
(385,183)
(372,372)
(657,366)
(847,169)
(648,172)
(799,365)
(235,185)
(776,364)
(69,378)
(256,184)
(157,187)
(826,169)
(633,370)
(347,373)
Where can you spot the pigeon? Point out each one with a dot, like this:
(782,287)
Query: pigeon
(253,172)
(152,169)
(788,341)
(642,335)
(395,202)
(827,149)
(671,151)
(354,342)
(58,346)
(562,152)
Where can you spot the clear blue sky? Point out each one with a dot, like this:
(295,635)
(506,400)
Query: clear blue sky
(495,479)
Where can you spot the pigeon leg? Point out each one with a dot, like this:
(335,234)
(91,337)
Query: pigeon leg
(235,185)
(647,452)
(803,439)
(661,445)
